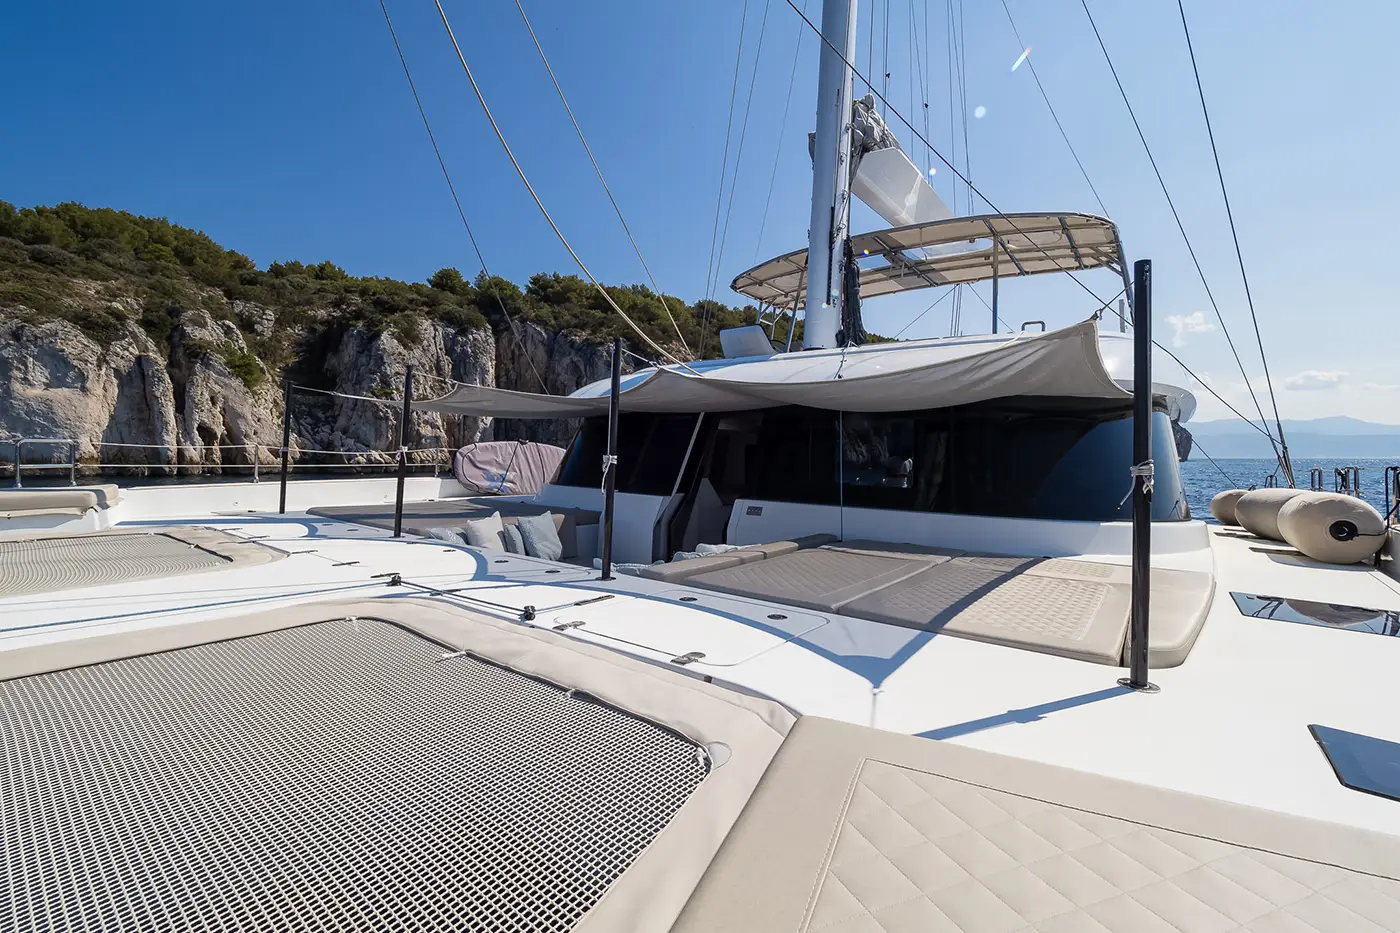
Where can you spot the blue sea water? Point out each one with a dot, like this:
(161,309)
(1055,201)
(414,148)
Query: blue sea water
(1202,479)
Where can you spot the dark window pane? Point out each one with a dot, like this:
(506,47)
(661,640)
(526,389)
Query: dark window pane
(1025,458)
(795,457)
(650,449)
(658,452)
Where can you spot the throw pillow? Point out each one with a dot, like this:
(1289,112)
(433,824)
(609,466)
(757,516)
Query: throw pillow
(541,537)
(515,543)
(485,533)
(449,535)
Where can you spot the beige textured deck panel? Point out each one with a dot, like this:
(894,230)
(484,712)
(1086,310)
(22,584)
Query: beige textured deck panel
(859,831)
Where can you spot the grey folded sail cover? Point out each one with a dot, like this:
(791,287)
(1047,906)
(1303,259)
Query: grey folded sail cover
(506,468)
(1064,363)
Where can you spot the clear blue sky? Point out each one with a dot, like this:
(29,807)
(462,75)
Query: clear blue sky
(286,130)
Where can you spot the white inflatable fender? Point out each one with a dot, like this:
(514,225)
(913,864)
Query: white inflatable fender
(1223,506)
(1257,511)
(1332,527)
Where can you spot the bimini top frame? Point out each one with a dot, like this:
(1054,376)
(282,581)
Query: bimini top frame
(919,255)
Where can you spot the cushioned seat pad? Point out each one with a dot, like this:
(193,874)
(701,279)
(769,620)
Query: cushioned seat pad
(1072,608)
(998,600)
(855,829)
(824,578)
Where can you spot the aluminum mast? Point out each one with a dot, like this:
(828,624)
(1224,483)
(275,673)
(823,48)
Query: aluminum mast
(831,177)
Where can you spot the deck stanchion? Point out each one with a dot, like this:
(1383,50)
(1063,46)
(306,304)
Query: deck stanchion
(996,281)
(286,443)
(403,448)
(610,461)
(1142,477)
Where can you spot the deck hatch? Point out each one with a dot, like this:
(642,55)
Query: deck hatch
(1361,762)
(1327,615)
(339,775)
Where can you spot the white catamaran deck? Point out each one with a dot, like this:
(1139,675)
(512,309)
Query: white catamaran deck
(1230,723)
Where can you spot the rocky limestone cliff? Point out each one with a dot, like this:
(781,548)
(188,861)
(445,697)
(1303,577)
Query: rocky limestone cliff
(56,382)
(209,400)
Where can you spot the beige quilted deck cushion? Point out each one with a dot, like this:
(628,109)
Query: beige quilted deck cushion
(920,852)
(855,830)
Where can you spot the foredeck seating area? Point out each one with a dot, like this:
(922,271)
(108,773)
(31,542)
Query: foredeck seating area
(855,829)
(52,561)
(1072,608)
(57,501)
(421,517)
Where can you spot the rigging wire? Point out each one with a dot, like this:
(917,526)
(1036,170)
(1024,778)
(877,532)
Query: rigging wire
(952,120)
(978,295)
(1286,462)
(540,204)
(996,210)
(586,148)
(870,46)
(967,142)
(886,55)
(936,303)
(782,133)
(743,134)
(918,70)
(928,56)
(724,163)
(1182,227)
(453,189)
(1051,107)
(1196,445)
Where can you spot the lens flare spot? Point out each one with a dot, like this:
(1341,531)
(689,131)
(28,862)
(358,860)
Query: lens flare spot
(932,170)
(865,252)
(1022,60)
(980,112)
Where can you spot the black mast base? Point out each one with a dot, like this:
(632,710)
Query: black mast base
(1140,688)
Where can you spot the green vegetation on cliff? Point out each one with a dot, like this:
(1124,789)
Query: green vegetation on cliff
(85,265)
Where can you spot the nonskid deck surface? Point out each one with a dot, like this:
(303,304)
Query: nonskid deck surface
(1232,722)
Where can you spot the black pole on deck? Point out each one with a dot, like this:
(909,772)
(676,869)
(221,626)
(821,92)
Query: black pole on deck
(610,461)
(403,448)
(286,443)
(1142,477)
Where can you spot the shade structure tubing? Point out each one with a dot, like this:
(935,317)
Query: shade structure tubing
(610,467)
(403,448)
(286,442)
(1142,479)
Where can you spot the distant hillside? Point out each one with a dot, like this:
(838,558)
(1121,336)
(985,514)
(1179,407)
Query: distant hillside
(155,347)
(98,268)
(1330,437)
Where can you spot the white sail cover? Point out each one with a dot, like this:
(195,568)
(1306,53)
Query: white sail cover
(880,377)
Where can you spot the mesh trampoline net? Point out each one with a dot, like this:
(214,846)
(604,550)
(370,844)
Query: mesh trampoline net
(342,775)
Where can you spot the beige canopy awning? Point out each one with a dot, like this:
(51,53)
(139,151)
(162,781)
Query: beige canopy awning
(880,377)
(923,255)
